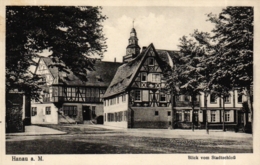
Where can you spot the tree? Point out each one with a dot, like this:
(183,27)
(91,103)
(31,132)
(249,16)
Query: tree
(190,70)
(233,34)
(72,34)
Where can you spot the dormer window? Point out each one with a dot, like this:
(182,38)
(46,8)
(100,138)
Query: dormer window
(151,61)
(143,77)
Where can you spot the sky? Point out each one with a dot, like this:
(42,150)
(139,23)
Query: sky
(162,26)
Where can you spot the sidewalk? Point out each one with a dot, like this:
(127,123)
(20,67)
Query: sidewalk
(171,133)
(34,130)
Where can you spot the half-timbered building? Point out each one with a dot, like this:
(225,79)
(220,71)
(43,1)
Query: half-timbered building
(67,99)
(136,97)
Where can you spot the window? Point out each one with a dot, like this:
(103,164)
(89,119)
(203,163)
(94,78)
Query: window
(110,117)
(70,110)
(125,116)
(163,97)
(47,110)
(169,113)
(151,61)
(143,77)
(213,116)
(178,115)
(44,79)
(227,99)
(123,98)
(34,111)
(137,95)
(187,115)
(227,116)
(156,78)
(121,116)
(156,113)
(213,98)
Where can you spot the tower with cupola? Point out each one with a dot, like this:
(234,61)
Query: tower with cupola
(133,49)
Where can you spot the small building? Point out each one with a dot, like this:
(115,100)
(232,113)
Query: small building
(67,99)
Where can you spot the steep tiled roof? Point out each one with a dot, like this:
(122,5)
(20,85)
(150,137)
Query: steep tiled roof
(127,71)
(168,56)
(102,74)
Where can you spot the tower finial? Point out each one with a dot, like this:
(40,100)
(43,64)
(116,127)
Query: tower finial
(133,23)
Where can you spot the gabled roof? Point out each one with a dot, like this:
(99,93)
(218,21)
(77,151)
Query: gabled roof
(125,73)
(102,74)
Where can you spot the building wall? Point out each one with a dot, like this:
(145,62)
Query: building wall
(43,70)
(41,117)
(150,117)
(233,101)
(120,105)
(54,118)
(79,117)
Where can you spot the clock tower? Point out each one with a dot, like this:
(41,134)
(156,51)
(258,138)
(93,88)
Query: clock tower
(133,49)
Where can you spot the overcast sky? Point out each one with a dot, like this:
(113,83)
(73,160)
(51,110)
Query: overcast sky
(162,26)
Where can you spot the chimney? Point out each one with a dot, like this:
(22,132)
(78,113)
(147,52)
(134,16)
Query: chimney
(144,47)
(115,59)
